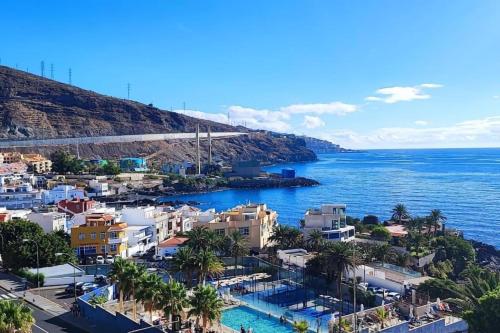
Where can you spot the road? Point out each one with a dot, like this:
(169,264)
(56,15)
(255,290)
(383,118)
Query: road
(44,322)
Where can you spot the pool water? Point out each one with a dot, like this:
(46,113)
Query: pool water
(258,321)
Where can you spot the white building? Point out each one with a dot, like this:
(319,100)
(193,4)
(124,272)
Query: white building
(330,219)
(150,216)
(19,196)
(61,192)
(139,238)
(191,215)
(99,188)
(50,221)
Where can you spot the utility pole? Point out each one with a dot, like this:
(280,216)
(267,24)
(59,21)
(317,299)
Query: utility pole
(42,68)
(198,163)
(52,71)
(69,76)
(209,146)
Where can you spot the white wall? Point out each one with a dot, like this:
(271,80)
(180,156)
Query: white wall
(59,281)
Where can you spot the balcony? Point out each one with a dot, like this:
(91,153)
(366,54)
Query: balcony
(118,240)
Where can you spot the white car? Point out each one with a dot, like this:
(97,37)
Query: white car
(109,259)
(157,257)
(99,260)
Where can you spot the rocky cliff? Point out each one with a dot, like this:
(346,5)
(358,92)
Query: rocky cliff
(36,107)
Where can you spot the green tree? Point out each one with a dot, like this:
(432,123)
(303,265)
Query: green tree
(110,168)
(382,316)
(64,163)
(399,213)
(315,241)
(205,305)
(132,275)
(437,219)
(184,261)
(286,237)
(301,326)
(173,298)
(15,317)
(237,247)
(370,219)
(149,293)
(456,249)
(380,232)
(207,263)
(200,238)
(118,275)
(485,317)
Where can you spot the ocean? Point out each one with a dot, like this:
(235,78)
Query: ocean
(463,183)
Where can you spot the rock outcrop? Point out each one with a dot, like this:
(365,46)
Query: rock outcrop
(36,107)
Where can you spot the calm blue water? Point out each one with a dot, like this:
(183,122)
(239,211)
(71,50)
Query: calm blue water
(259,322)
(463,183)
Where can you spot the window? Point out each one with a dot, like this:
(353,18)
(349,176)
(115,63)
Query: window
(244,231)
(334,235)
(102,235)
(113,247)
(81,236)
(113,235)
(103,248)
(220,231)
(92,235)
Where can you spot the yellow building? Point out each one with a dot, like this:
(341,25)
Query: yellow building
(36,162)
(100,235)
(254,221)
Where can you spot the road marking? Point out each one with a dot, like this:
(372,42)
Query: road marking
(12,295)
(4,296)
(41,329)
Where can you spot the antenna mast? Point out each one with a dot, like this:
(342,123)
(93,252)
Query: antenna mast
(69,76)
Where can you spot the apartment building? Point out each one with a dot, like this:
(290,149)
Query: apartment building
(36,162)
(101,234)
(62,192)
(49,221)
(330,219)
(161,222)
(254,221)
(19,196)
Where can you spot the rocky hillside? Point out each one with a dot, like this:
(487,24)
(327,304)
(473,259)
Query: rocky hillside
(36,107)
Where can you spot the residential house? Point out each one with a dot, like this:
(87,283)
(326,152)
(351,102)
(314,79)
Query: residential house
(150,216)
(62,192)
(330,219)
(139,238)
(19,196)
(101,234)
(49,221)
(254,221)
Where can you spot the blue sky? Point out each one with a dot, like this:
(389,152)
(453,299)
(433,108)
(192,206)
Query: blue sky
(365,74)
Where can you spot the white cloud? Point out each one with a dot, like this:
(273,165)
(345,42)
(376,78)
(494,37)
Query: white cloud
(218,117)
(313,122)
(259,118)
(391,95)
(335,108)
(421,123)
(472,133)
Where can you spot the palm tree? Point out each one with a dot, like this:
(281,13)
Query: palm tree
(133,274)
(342,326)
(149,292)
(399,212)
(286,237)
(184,261)
(173,298)
(206,264)
(416,226)
(15,317)
(301,326)
(205,305)
(199,238)
(437,218)
(382,316)
(380,252)
(237,247)
(315,240)
(338,259)
(117,275)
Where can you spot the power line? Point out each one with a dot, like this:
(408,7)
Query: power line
(69,76)
(52,71)
(42,68)
(128,90)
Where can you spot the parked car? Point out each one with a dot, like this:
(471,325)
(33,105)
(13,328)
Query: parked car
(157,257)
(393,295)
(110,259)
(363,286)
(86,287)
(70,289)
(100,279)
(99,260)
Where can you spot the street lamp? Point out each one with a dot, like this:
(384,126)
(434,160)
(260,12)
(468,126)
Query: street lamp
(26,240)
(61,254)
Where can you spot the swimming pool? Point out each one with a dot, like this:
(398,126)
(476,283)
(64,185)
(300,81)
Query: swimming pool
(258,321)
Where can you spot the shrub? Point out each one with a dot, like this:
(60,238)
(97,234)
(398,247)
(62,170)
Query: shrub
(31,277)
(370,219)
(381,233)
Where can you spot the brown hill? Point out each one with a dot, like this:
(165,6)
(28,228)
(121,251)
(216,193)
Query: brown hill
(36,107)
